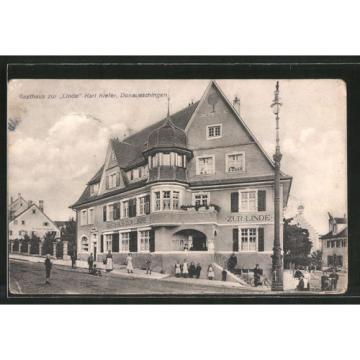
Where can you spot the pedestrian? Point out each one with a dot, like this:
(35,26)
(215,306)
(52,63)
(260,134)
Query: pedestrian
(177,269)
(192,270)
(95,271)
(109,261)
(90,262)
(223,275)
(148,264)
(298,274)
(334,277)
(211,274)
(198,270)
(129,264)
(301,284)
(185,271)
(48,266)
(232,262)
(73,260)
(257,274)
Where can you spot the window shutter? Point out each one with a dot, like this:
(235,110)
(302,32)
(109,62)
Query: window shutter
(261,239)
(133,241)
(235,239)
(116,211)
(102,243)
(147,204)
(234,199)
(152,241)
(117,179)
(261,200)
(134,207)
(104,213)
(107,181)
(115,242)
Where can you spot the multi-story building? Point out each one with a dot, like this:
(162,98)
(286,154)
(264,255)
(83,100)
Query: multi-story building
(335,243)
(195,185)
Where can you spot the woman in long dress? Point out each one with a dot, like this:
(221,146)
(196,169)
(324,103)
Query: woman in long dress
(185,270)
(109,262)
(211,274)
(177,269)
(129,264)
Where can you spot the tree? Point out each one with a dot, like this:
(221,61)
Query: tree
(316,259)
(69,234)
(49,239)
(297,245)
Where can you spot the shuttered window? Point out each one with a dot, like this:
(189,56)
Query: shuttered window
(261,200)
(235,239)
(104,213)
(152,240)
(234,200)
(102,243)
(115,242)
(261,244)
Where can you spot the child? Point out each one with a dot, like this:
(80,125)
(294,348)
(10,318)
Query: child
(211,274)
(177,269)
(185,270)
(148,264)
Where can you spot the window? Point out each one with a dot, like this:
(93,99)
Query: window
(235,162)
(165,160)
(34,211)
(94,189)
(112,180)
(328,244)
(46,223)
(22,222)
(214,131)
(248,239)
(108,242)
(84,244)
(155,160)
(179,160)
(142,205)
(125,212)
(15,222)
(205,165)
(175,200)
(157,201)
(125,239)
(201,199)
(83,219)
(91,216)
(248,200)
(166,200)
(144,240)
(113,157)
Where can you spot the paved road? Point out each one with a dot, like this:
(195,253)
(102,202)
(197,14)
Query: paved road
(29,278)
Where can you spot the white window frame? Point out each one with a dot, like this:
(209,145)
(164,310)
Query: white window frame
(81,244)
(198,164)
(91,210)
(161,191)
(121,238)
(108,240)
(208,137)
(145,238)
(122,209)
(94,189)
(256,200)
(227,162)
(84,218)
(256,238)
(201,193)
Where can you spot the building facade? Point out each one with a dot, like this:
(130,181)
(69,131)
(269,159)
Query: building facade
(335,244)
(195,185)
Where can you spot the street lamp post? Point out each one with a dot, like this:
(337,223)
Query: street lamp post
(277,264)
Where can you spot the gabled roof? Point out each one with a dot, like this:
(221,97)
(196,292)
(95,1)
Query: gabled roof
(39,210)
(340,234)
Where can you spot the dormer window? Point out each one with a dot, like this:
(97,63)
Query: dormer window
(112,180)
(214,131)
(94,189)
(113,157)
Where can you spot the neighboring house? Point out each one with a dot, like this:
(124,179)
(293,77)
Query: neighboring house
(32,221)
(300,220)
(17,206)
(197,180)
(335,243)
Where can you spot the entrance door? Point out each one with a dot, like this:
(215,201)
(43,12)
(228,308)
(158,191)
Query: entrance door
(94,245)
(95,251)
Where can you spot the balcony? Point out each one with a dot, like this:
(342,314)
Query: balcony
(187,215)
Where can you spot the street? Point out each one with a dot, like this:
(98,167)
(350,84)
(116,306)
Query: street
(29,278)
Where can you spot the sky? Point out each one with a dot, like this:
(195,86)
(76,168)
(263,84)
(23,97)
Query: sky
(62,129)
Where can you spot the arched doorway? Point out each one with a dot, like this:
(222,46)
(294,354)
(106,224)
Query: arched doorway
(192,240)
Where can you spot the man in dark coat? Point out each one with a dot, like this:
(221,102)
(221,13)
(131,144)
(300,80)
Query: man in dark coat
(232,262)
(90,262)
(334,277)
(257,273)
(198,270)
(192,270)
(73,259)
(48,266)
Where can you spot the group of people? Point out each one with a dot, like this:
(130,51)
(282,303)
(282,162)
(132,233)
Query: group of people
(329,282)
(191,271)
(108,262)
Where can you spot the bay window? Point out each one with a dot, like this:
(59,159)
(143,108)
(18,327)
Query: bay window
(175,200)
(166,200)
(157,201)
(166,204)
(201,199)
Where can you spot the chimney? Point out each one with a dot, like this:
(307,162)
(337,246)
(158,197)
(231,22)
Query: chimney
(236,103)
(30,203)
(41,205)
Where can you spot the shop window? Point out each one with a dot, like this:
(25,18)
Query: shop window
(205,165)
(144,240)
(235,162)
